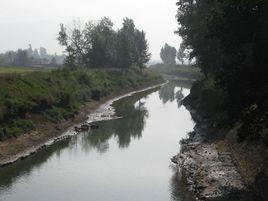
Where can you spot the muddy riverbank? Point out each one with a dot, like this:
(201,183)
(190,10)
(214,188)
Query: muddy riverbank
(46,133)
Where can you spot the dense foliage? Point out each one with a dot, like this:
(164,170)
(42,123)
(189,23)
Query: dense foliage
(58,95)
(229,40)
(98,45)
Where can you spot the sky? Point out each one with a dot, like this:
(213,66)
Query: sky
(36,22)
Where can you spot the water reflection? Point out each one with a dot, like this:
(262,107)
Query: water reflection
(166,93)
(179,97)
(169,92)
(133,115)
(12,173)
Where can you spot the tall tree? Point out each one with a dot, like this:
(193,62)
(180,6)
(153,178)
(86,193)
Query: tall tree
(168,54)
(229,40)
(75,45)
(142,49)
(98,45)
(181,55)
(21,58)
(102,53)
(126,44)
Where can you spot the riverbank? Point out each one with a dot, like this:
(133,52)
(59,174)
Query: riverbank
(216,164)
(46,132)
(211,173)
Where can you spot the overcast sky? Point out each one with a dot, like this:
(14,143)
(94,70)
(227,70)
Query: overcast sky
(37,22)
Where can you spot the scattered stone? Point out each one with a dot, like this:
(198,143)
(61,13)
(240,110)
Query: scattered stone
(210,174)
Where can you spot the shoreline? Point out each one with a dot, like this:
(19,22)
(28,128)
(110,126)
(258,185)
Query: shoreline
(211,173)
(48,133)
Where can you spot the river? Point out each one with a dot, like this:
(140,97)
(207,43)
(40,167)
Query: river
(125,159)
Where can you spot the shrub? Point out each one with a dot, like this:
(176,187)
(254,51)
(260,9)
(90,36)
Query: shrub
(19,127)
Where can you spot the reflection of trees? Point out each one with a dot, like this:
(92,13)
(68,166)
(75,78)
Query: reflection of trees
(166,93)
(124,129)
(179,97)
(13,172)
(178,188)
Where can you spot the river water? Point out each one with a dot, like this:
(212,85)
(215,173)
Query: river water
(126,159)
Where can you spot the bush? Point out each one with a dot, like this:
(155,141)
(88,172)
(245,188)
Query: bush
(19,127)
(56,114)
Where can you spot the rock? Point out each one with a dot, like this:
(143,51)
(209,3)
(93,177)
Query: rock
(174,160)
(210,175)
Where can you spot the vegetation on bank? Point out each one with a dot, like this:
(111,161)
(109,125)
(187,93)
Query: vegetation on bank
(59,94)
(229,41)
(13,69)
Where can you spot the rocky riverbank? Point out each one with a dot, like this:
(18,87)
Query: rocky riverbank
(211,175)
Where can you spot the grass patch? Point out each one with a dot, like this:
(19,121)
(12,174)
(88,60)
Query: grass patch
(59,94)
(21,70)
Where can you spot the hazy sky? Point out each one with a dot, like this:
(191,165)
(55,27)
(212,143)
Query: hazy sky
(37,21)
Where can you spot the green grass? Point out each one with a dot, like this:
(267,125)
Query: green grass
(58,95)
(22,70)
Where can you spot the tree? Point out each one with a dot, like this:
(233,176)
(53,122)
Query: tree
(75,44)
(98,45)
(168,54)
(181,55)
(127,51)
(102,53)
(53,61)
(229,40)
(142,48)
(21,58)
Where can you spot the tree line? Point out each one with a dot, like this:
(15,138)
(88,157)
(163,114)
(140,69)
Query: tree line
(30,58)
(229,41)
(99,45)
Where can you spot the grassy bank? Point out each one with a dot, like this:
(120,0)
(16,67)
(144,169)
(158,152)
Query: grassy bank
(58,95)
(22,70)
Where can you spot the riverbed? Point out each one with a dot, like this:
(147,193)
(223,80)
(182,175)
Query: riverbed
(126,158)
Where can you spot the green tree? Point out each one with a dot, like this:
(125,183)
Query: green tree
(127,51)
(168,54)
(181,55)
(98,45)
(229,41)
(142,49)
(21,58)
(75,46)
(102,53)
